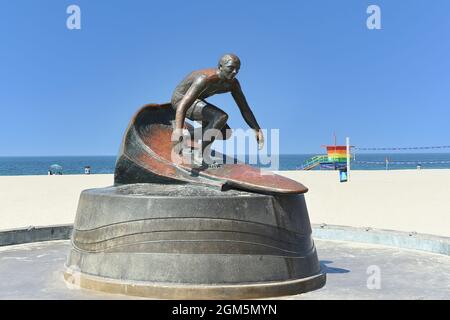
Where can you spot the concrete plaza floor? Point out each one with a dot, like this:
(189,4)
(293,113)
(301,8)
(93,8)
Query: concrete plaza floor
(354,271)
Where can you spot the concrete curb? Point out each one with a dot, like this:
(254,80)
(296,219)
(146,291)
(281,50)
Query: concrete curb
(35,234)
(391,238)
(404,240)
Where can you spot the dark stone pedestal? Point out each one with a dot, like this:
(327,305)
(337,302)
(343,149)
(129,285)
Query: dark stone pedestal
(192,242)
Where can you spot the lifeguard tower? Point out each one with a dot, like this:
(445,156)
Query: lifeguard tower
(335,159)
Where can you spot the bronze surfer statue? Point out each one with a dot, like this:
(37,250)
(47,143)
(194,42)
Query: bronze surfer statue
(188,100)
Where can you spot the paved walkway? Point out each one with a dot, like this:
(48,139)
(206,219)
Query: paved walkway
(354,271)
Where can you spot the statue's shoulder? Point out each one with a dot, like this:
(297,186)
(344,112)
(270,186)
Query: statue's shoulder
(204,74)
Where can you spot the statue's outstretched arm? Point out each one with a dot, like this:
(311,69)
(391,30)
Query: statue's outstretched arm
(246,112)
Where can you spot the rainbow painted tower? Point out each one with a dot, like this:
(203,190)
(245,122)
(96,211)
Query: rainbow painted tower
(335,159)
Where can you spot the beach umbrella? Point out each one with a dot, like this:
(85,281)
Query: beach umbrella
(56,169)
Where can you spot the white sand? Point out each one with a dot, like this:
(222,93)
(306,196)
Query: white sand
(43,200)
(406,200)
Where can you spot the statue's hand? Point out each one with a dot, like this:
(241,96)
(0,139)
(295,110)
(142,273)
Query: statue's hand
(260,139)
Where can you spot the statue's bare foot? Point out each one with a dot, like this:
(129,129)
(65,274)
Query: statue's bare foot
(203,165)
(198,162)
(215,165)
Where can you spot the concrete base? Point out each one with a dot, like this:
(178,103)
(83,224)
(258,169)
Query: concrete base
(194,292)
(192,242)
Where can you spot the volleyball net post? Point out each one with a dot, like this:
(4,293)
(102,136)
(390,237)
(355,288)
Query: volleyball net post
(347,142)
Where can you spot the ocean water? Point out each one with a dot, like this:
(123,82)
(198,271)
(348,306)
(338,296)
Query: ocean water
(17,166)
(11,166)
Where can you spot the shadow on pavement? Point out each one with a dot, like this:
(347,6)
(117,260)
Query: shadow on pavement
(327,269)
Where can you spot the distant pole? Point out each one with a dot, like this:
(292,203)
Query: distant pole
(347,140)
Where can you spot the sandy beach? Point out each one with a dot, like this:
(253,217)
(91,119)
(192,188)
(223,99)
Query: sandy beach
(404,200)
(43,200)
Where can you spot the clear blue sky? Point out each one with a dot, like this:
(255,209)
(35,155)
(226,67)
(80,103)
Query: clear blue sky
(309,68)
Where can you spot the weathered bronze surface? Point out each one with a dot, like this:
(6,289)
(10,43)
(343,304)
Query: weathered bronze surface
(147,151)
(189,96)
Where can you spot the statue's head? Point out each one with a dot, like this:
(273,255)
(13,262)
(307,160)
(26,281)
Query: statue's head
(229,66)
